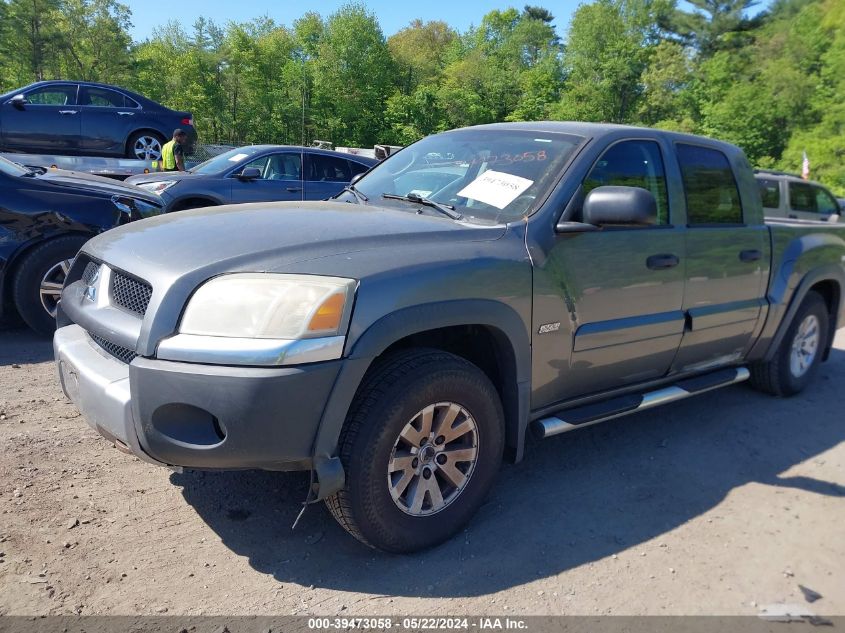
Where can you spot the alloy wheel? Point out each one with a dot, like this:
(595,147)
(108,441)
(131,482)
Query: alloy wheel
(433,459)
(147,148)
(50,289)
(805,346)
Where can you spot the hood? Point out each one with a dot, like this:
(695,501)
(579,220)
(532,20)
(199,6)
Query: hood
(96,184)
(200,243)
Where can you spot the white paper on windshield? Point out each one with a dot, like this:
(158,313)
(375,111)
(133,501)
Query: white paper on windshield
(496,188)
(237,157)
(422,193)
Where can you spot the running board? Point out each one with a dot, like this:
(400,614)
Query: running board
(579,417)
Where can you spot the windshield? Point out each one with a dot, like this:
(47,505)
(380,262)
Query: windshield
(12,169)
(225,161)
(487,174)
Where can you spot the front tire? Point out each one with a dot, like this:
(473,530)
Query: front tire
(421,447)
(38,282)
(799,354)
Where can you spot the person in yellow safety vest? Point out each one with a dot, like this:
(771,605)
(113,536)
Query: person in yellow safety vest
(173,153)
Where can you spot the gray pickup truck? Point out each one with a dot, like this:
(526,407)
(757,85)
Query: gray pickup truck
(399,341)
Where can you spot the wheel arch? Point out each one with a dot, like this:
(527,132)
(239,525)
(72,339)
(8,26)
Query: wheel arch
(488,333)
(828,281)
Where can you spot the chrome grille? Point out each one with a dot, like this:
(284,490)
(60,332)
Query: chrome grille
(90,273)
(130,293)
(121,353)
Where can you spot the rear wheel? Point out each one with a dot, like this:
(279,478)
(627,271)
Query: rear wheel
(145,146)
(38,283)
(421,447)
(798,356)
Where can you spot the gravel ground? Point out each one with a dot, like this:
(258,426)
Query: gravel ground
(722,504)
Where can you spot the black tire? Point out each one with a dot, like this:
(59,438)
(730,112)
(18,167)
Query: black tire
(778,376)
(130,145)
(391,395)
(26,286)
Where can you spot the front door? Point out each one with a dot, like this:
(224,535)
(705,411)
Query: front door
(727,263)
(280,181)
(617,293)
(48,122)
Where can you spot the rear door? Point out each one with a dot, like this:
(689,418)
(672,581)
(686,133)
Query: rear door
(48,123)
(728,258)
(622,286)
(280,181)
(107,118)
(325,175)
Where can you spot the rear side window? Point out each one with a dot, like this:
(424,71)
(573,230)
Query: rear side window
(802,197)
(632,164)
(101,98)
(321,168)
(357,168)
(769,192)
(711,191)
(825,203)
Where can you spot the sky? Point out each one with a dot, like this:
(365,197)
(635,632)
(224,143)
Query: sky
(393,15)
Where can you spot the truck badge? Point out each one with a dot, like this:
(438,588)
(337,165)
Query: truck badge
(549,327)
(91,288)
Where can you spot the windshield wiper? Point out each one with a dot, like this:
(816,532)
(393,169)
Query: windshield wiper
(360,197)
(446,209)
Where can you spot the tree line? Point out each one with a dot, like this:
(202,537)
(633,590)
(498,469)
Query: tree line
(772,82)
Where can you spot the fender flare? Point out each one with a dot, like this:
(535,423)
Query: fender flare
(507,325)
(829,272)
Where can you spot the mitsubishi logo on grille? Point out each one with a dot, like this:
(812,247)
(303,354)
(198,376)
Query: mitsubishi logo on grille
(91,288)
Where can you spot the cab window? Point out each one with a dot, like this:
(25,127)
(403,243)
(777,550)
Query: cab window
(632,164)
(711,192)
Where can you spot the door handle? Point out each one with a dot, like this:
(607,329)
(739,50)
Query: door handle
(293,189)
(126,113)
(793,216)
(751,255)
(67,111)
(662,262)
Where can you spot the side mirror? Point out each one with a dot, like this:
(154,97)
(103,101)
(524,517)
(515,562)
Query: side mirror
(19,101)
(619,205)
(250,173)
(356,178)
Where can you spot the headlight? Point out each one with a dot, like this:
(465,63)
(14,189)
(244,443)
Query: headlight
(134,208)
(157,186)
(270,306)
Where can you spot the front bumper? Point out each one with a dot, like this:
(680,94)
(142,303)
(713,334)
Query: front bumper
(197,416)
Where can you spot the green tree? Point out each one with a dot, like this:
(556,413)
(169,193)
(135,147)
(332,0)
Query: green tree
(353,77)
(712,25)
(608,48)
